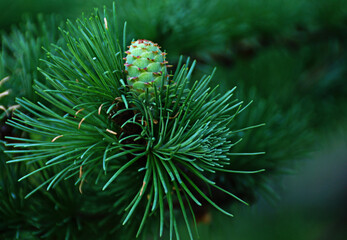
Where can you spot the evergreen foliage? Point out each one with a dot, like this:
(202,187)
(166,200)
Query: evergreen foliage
(85,131)
(99,131)
(20,54)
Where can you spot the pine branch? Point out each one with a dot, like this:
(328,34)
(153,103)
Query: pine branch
(100,130)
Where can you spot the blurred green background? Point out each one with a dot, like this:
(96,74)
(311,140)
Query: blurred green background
(287,56)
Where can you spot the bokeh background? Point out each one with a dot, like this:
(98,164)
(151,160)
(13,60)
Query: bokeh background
(290,57)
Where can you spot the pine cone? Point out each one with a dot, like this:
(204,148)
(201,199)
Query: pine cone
(146,67)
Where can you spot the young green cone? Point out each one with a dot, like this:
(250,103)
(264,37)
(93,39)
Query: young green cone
(146,67)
